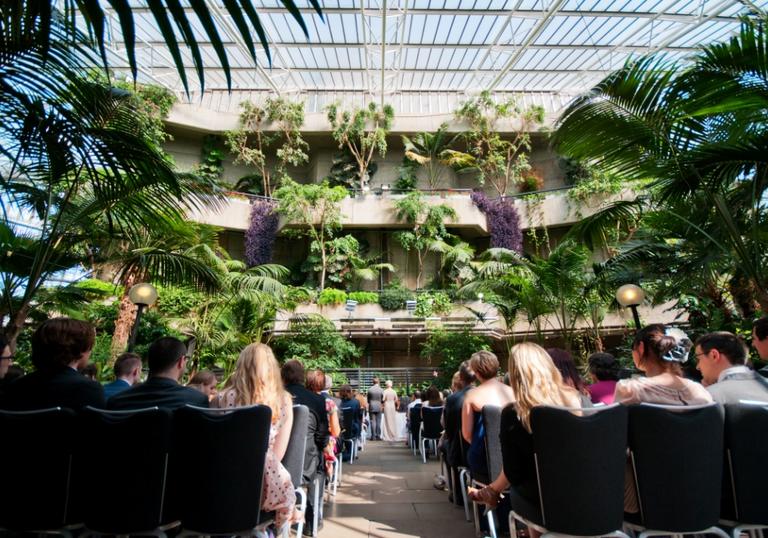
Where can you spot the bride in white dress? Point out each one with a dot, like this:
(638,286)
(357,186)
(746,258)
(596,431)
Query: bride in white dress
(389,428)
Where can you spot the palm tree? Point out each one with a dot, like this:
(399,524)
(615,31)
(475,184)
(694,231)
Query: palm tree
(699,135)
(36,21)
(429,151)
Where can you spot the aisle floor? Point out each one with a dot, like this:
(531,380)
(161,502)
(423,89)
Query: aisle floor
(389,493)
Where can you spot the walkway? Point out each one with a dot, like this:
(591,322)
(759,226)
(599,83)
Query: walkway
(388,493)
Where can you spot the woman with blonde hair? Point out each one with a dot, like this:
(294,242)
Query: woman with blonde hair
(536,381)
(256,380)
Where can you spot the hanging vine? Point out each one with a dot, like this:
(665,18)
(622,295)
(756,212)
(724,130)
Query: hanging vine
(261,233)
(503,221)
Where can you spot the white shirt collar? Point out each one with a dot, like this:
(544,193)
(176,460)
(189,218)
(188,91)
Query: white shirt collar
(733,370)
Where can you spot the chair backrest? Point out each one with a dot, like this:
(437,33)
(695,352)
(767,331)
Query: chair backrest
(122,485)
(414,418)
(219,457)
(492,422)
(293,460)
(348,417)
(580,461)
(746,436)
(36,452)
(677,453)
(430,417)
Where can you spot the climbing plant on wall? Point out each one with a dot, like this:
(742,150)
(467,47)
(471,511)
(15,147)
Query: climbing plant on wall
(503,221)
(261,233)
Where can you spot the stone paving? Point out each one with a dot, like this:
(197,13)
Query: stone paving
(388,493)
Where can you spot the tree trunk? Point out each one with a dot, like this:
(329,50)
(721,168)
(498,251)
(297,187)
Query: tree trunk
(126,314)
(16,324)
(323,265)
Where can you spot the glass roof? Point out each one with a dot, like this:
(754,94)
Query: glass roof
(390,48)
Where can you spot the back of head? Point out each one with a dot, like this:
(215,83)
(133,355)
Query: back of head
(564,362)
(466,373)
(603,366)
(256,379)
(329,383)
(433,396)
(485,365)
(292,372)
(536,381)
(666,347)
(345,392)
(60,342)
(164,353)
(417,395)
(388,383)
(727,344)
(760,327)
(90,371)
(126,363)
(203,377)
(376,380)
(316,380)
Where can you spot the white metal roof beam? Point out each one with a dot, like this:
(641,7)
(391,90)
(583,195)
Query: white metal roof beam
(532,35)
(164,70)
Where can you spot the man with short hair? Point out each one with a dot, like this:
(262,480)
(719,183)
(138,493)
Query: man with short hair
(720,358)
(167,360)
(375,397)
(760,337)
(451,443)
(415,399)
(127,373)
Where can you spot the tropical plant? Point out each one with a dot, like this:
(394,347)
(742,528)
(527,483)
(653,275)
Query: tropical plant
(344,170)
(406,176)
(698,134)
(33,22)
(317,208)
(451,349)
(393,297)
(455,257)
(331,297)
(429,151)
(346,263)
(364,297)
(261,233)
(252,143)
(503,221)
(499,161)
(315,342)
(363,132)
(436,303)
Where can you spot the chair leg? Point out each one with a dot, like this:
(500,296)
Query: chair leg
(315,508)
(463,475)
(424,450)
(303,507)
(490,514)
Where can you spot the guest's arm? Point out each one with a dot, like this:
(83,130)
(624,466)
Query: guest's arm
(284,432)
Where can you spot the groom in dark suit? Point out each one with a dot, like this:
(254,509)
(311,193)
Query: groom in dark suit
(375,395)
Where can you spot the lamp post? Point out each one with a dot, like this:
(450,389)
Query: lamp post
(142,295)
(631,295)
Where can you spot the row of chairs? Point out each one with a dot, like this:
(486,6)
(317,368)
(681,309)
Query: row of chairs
(696,469)
(142,471)
(424,430)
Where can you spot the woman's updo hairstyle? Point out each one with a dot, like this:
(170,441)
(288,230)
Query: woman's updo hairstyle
(668,347)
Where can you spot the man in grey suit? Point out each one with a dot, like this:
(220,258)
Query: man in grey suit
(721,358)
(374,408)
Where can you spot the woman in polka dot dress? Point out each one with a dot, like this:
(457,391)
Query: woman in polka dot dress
(256,380)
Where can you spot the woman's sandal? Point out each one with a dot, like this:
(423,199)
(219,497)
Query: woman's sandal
(487,496)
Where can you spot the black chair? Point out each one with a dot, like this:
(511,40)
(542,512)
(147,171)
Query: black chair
(677,459)
(414,420)
(123,484)
(492,424)
(580,460)
(430,430)
(746,436)
(227,449)
(36,452)
(293,460)
(348,418)
(464,476)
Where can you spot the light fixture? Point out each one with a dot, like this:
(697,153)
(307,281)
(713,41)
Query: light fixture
(385,187)
(350,306)
(480,297)
(142,295)
(410,306)
(631,295)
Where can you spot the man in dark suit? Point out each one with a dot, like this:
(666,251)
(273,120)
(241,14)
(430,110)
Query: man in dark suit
(59,347)
(292,374)
(452,438)
(350,405)
(375,396)
(127,374)
(167,360)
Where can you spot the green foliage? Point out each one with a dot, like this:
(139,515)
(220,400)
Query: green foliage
(406,175)
(211,159)
(153,103)
(436,303)
(500,161)
(362,132)
(255,140)
(295,296)
(345,172)
(451,349)
(317,344)
(178,302)
(429,150)
(98,289)
(364,297)
(393,297)
(330,296)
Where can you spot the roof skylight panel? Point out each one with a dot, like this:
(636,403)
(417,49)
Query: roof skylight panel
(707,32)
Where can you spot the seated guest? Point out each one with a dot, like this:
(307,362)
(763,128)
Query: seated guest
(205,381)
(604,371)
(720,359)
(659,352)
(256,380)
(127,374)
(433,398)
(60,346)
(316,382)
(490,391)
(90,371)
(564,362)
(535,381)
(167,361)
(415,399)
(760,337)
(14,372)
(464,380)
(348,402)
(292,373)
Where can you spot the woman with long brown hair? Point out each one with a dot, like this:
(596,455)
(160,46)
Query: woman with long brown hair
(256,380)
